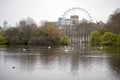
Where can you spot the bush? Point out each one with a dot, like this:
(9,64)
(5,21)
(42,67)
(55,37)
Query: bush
(109,39)
(118,40)
(2,40)
(95,38)
(64,40)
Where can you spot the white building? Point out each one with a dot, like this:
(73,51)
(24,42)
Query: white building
(74,19)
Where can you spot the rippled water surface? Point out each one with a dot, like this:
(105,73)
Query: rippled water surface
(59,63)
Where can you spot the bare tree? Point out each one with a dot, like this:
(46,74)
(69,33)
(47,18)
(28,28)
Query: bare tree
(113,23)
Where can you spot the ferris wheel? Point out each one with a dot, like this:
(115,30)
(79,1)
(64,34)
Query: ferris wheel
(78,33)
(77,11)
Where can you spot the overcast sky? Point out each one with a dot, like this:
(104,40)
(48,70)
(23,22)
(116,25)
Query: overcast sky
(15,10)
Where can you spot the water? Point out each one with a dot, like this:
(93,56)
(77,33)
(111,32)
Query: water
(59,63)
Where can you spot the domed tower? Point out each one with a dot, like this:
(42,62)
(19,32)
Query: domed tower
(5,24)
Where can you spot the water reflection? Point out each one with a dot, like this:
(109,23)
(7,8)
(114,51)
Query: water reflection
(115,66)
(79,62)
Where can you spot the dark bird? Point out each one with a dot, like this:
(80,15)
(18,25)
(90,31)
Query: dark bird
(13,67)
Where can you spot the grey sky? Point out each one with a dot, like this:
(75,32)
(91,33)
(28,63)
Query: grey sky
(15,10)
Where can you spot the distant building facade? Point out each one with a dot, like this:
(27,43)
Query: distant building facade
(74,19)
(60,21)
(23,23)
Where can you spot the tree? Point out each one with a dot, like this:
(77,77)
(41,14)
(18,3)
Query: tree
(118,40)
(48,34)
(12,35)
(64,40)
(113,23)
(109,39)
(52,33)
(2,40)
(95,38)
(21,34)
(26,32)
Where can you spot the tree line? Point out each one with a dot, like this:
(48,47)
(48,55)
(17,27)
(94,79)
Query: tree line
(108,38)
(31,34)
(109,34)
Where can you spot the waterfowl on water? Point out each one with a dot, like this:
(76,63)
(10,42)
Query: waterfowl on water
(13,67)
(49,47)
(24,49)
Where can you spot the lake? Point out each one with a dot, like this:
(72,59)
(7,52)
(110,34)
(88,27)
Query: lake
(75,62)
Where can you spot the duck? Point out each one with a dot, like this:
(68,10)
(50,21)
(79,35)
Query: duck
(13,67)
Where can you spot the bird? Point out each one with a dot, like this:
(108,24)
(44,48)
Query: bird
(13,67)
(66,50)
(24,49)
(101,47)
(49,47)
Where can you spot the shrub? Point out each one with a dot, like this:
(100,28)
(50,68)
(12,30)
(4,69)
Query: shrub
(2,40)
(95,38)
(118,40)
(109,39)
(64,40)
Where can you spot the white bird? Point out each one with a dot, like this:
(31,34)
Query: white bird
(101,47)
(66,50)
(49,47)
(24,49)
